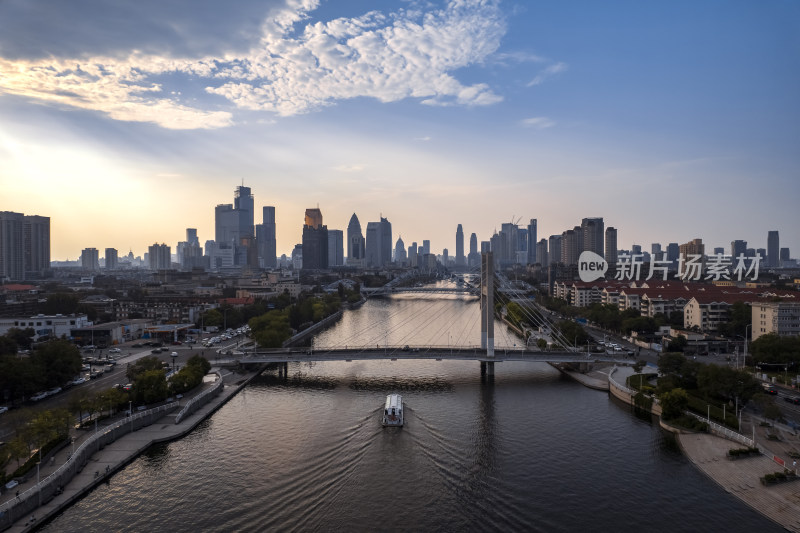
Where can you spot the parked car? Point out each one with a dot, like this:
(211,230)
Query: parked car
(137,345)
(115,350)
(793,399)
(3,409)
(771,390)
(41,395)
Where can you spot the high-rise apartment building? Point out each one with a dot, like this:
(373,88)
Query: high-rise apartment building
(160,257)
(554,249)
(112,258)
(541,252)
(611,247)
(315,241)
(90,259)
(24,245)
(460,259)
(570,247)
(773,249)
(592,231)
(693,247)
(36,245)
(356,245)
(533,242)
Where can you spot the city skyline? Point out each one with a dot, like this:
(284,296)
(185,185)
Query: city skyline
(670,122)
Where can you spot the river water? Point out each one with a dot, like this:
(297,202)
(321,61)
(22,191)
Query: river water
(526,450)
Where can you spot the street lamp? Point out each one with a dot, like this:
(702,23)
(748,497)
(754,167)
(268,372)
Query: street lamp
(744,358)
(130,412)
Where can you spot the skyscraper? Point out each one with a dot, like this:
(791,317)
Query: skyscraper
(335,247)
(611,247)
(356,246)
(226,224)
(412,255)
(474,257)
(315,241)
(784,256)
(532,242)
(243,204)
(773,249)
(266,239)
(738,248)
(386,241)
(400,251)
(426,247)
(372,257)
(459,246)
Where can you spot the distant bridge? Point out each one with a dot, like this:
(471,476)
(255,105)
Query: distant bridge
(395,353)
(385,290)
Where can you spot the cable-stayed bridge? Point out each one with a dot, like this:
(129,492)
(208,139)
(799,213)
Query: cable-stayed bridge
(559,349)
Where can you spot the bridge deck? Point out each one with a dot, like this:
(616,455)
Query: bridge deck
(501,355)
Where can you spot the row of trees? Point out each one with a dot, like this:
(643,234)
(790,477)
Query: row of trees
(271,329)
(683,380)
(775,349)
(37,436)
(51,364)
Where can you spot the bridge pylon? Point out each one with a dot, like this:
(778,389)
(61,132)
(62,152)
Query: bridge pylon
(487,308)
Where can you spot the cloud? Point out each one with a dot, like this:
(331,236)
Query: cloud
(297,66)
(547,73)
(538,122)
(349,168)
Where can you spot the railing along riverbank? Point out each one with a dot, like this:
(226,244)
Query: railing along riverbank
(47,488)
(200,400)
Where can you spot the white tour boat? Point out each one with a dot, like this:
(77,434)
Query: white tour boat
(393,411)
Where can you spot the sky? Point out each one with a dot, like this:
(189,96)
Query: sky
(127,122)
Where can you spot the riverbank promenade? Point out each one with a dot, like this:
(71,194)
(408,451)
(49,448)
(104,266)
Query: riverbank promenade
(119,453)
(780,503)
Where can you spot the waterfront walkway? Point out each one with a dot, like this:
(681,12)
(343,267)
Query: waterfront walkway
(780,503)
(116,455)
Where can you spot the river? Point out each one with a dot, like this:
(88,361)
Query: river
(526,450)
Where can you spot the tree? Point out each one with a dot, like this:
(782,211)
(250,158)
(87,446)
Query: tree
(150,387)
(57,361)
(143,365)
(78,402)
(673,403)
(678,344)
(22,337)
(542,344)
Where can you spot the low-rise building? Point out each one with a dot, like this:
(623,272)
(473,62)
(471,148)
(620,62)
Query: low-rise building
(782,318)
(45,325)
